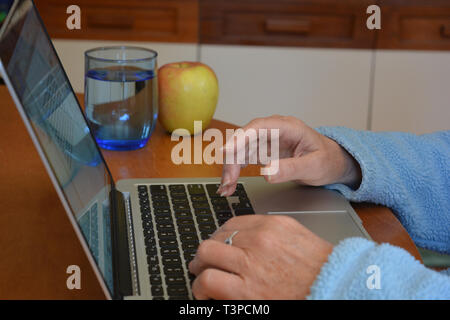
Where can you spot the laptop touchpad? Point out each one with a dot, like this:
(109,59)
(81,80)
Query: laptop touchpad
(331,226)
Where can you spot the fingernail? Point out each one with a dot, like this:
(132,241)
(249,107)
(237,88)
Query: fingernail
(226,182)
(222,194)
(267,176)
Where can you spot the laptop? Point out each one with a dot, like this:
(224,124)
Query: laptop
(140,234)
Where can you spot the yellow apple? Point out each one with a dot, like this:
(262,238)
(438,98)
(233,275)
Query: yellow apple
(188,92)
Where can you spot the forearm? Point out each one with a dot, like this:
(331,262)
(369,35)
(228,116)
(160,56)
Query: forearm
(408,173)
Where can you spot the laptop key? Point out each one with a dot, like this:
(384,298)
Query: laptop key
(224,215)
(177,290)
(174,270)
(158,189)
(157,290)
(180,200)
(151,260)
(212,189)
(155,279)
(205,235)
(200,205)
(185,221)
(195,189)
(160,197)
(149,233)
(164,219)
(165,226)
(178,195)
(161,204)
(221,222)
(219,201)
(189,237)
(205,219)
(190,245)
(162,211)
(182,214)
(181,206)
(186,229)
(142,188)
(203,211)
(171,260)
(172,243)
(189,256)
(150,242)
(198,198)
(172,279)
(147,224)
(169,251)
(154,269)
(221,208)
(207,227)
(167,234)
(243,208)
(177,187)
(150,250)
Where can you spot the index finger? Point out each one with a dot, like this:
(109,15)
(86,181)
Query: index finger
(230,175)
(231,169)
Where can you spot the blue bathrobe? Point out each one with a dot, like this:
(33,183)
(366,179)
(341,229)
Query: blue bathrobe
(411,175)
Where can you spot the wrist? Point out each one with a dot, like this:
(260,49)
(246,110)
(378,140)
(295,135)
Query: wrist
(353,174)
(347,169)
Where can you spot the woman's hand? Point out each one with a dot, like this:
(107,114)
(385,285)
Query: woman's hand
(272,257)
(306,156)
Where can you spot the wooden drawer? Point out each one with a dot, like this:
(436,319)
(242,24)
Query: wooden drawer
(135,20)
(286,23)
(416,24)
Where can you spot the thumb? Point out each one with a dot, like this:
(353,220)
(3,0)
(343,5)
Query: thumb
(303,169)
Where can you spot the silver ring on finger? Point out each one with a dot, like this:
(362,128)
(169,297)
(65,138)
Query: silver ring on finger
(229,240)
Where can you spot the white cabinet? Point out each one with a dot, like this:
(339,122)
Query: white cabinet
(411,91)
(319,86)
(71,53)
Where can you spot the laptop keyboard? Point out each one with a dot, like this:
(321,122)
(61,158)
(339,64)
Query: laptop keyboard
(175,218)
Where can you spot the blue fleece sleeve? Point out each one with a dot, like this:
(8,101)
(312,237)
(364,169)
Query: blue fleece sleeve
(360,269)
(411,175)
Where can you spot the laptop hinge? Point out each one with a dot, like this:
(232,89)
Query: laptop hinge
(121,255)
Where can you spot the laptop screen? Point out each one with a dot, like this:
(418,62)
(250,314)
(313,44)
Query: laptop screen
(40,83)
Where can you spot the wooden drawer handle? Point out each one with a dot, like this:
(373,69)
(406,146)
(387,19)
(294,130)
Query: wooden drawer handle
(288,26)
(445,30)
(110,22)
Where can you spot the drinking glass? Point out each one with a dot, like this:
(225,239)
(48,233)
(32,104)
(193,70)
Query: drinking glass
(121,95)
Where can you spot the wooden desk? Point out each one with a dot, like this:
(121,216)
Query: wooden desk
(36,238)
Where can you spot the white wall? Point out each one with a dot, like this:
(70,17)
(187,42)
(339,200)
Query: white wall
(320,86)
(412,91)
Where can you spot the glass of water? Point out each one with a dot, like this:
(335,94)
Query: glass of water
(121,96)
